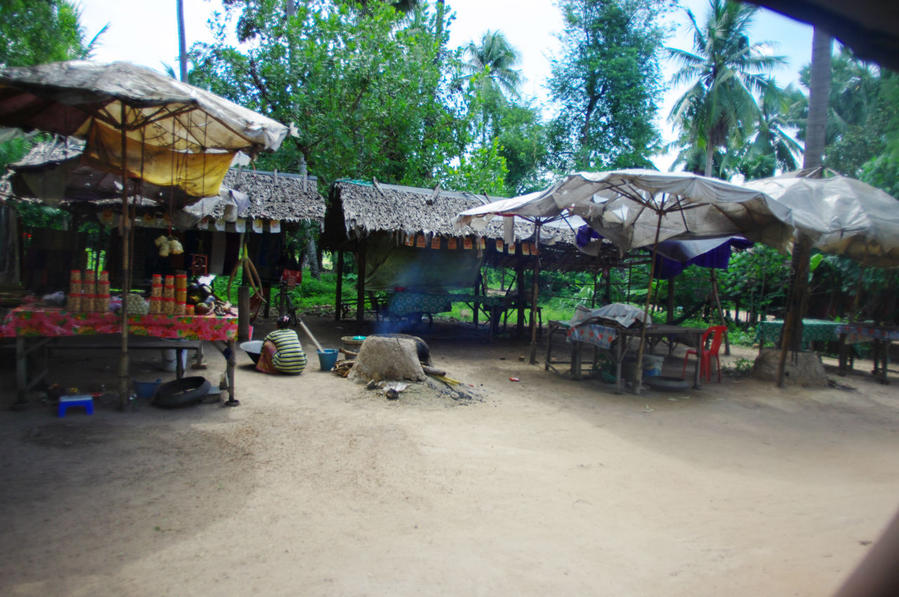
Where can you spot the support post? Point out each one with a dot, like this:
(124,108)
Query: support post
(670,305)
(638,369)
(476,305)
(338,298)
(535,292)
(791,334)
(243,313)
(125,229)
(360,283)
(717,296)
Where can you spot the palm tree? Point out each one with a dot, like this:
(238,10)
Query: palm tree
(725,70)
(773,147)
(495,58)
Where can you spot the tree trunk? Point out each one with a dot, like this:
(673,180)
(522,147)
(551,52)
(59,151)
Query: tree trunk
(182,43)
(819,92)
(312,257)
(816,130)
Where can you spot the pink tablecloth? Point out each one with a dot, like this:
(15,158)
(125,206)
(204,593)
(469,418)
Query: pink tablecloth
(592,333)
(46,321)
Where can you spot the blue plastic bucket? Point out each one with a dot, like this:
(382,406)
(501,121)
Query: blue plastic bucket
(146,389)
(327,358)
(652,365)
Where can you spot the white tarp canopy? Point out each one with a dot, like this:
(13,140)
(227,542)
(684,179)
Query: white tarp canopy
(624,207)
(176,134)
(843,216)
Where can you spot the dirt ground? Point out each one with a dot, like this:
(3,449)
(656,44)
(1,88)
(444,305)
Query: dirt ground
(316,486)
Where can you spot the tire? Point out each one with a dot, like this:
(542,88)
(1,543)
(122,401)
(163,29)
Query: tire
(179,393)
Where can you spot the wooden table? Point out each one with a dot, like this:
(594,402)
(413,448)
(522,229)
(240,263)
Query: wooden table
(813,330)
(416,304)
(879,336)
(34,327)
(618,340)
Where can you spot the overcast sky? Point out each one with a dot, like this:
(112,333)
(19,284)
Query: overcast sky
(145,32)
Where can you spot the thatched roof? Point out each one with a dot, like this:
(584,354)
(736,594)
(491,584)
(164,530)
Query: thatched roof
(277,195)
(358,210)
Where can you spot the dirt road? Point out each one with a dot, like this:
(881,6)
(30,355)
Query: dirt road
(315,486)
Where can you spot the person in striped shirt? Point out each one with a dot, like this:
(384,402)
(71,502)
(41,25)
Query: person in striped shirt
(282,351)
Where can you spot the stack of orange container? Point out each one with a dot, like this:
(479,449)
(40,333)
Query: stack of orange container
(88,290)
(101,300)
(180,293)
(73,300)
(168,295)
(156,294)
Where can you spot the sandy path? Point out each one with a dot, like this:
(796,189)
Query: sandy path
(315,486)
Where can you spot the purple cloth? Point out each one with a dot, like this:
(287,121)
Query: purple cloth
(676,255)
(584,235)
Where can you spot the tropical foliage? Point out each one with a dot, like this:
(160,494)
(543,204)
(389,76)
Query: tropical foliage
(38,32)
(606,84)
(726,74)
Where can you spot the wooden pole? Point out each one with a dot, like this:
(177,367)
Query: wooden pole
(360,283)
(338,298)
(638,369)
(476,305)
(670,305)
(124,377)
(791,334)
(243,313)
(519,276)
(717,296)
(534,293)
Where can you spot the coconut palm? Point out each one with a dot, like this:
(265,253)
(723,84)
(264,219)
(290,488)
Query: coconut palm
(773,147)
(495,58)
(725,70)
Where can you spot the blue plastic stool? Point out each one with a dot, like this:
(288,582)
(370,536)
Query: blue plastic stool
(67,402)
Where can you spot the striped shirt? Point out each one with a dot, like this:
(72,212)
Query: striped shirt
(289,356)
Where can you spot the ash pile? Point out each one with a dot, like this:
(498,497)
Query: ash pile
(395,363)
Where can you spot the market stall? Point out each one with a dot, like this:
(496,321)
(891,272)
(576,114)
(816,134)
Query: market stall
(34,326)
(142,126)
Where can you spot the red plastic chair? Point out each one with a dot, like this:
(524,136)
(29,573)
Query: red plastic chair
(705,358)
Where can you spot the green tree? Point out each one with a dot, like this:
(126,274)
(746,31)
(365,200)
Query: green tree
(35,32)
(862,138)
(363,88)
(724,71)
(522,139)
(606,84)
